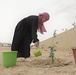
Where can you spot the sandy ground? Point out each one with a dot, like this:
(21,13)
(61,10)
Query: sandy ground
(64,64)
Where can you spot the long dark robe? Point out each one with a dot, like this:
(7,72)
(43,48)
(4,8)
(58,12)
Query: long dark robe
(25,33)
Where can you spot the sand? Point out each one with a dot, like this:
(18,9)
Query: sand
(64,64)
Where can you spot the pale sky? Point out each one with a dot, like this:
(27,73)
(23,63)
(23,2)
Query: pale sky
(62,15)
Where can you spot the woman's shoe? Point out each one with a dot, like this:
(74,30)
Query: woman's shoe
(28,59)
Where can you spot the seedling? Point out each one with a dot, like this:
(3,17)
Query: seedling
(52,48)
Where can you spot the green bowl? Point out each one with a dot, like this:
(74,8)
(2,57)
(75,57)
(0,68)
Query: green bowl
(37,53)
(9,58)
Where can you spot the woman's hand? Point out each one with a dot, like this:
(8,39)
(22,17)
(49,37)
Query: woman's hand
(37,44)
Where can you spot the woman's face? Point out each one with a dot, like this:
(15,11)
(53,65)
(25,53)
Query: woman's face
(44,20)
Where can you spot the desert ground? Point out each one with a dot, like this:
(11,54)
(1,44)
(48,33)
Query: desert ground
(64,64)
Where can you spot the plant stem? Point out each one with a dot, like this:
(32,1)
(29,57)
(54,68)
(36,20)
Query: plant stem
(52,59)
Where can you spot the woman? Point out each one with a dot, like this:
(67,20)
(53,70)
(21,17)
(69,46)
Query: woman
(26,32)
